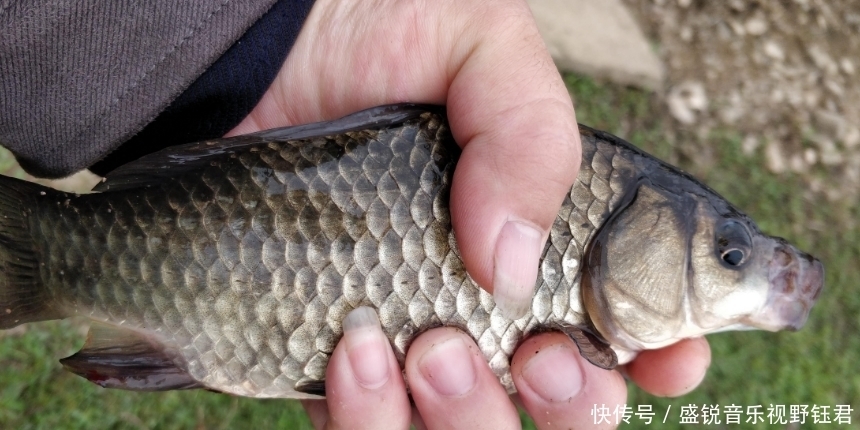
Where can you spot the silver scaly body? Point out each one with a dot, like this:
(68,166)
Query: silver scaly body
(235,264)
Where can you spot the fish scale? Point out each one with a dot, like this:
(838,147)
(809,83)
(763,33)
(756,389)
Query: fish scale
(232,264)
(227,216)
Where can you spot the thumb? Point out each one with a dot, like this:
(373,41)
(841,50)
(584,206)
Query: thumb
(511,113)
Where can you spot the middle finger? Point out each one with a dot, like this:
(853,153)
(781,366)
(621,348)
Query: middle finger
(453,386)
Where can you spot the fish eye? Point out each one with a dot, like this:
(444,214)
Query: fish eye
(733,244)
(733,257)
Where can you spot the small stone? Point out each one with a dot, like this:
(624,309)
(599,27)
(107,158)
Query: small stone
(810,156)
(738,5)
(773,50)
(684,3)
(847,66)
(821,59)
(811,98)
(773,156)
(686,33)
(834,88)
(749,144)
(756,26)
(797,163)
(851,137)
(685,100)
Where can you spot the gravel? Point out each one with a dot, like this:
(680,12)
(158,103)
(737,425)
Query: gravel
(781,73)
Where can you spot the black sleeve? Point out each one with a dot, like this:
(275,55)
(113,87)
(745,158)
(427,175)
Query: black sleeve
(100,82)
(226,93)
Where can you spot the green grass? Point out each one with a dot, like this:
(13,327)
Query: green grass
(36,393)
(814,366)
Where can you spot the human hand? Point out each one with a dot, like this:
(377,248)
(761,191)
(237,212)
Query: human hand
(513,117)
(453,387)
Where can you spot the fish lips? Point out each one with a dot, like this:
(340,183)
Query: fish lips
(796,280)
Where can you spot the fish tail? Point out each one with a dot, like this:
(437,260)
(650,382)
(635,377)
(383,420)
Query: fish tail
(23,298)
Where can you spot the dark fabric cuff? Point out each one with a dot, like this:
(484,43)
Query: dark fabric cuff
(223,95)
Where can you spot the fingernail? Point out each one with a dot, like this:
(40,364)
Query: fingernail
(448,368)
(518,250)
(366,347)
(554,373)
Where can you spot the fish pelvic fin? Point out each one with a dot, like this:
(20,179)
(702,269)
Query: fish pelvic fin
(115,357)
(591,346)
(23,298)
(316,388)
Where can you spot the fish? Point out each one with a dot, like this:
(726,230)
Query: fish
(229,264)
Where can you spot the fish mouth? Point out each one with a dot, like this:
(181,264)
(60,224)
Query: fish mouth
(796,280)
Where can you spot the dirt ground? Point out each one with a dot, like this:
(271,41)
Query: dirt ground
(784,74)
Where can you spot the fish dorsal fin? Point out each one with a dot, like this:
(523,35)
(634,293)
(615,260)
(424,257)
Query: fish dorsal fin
(115,357)
(174,161)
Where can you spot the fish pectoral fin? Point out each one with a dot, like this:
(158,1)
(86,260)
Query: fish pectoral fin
(114,357)
(592,348)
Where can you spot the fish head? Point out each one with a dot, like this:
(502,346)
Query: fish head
(671,265)
(791,279)
(742,279)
